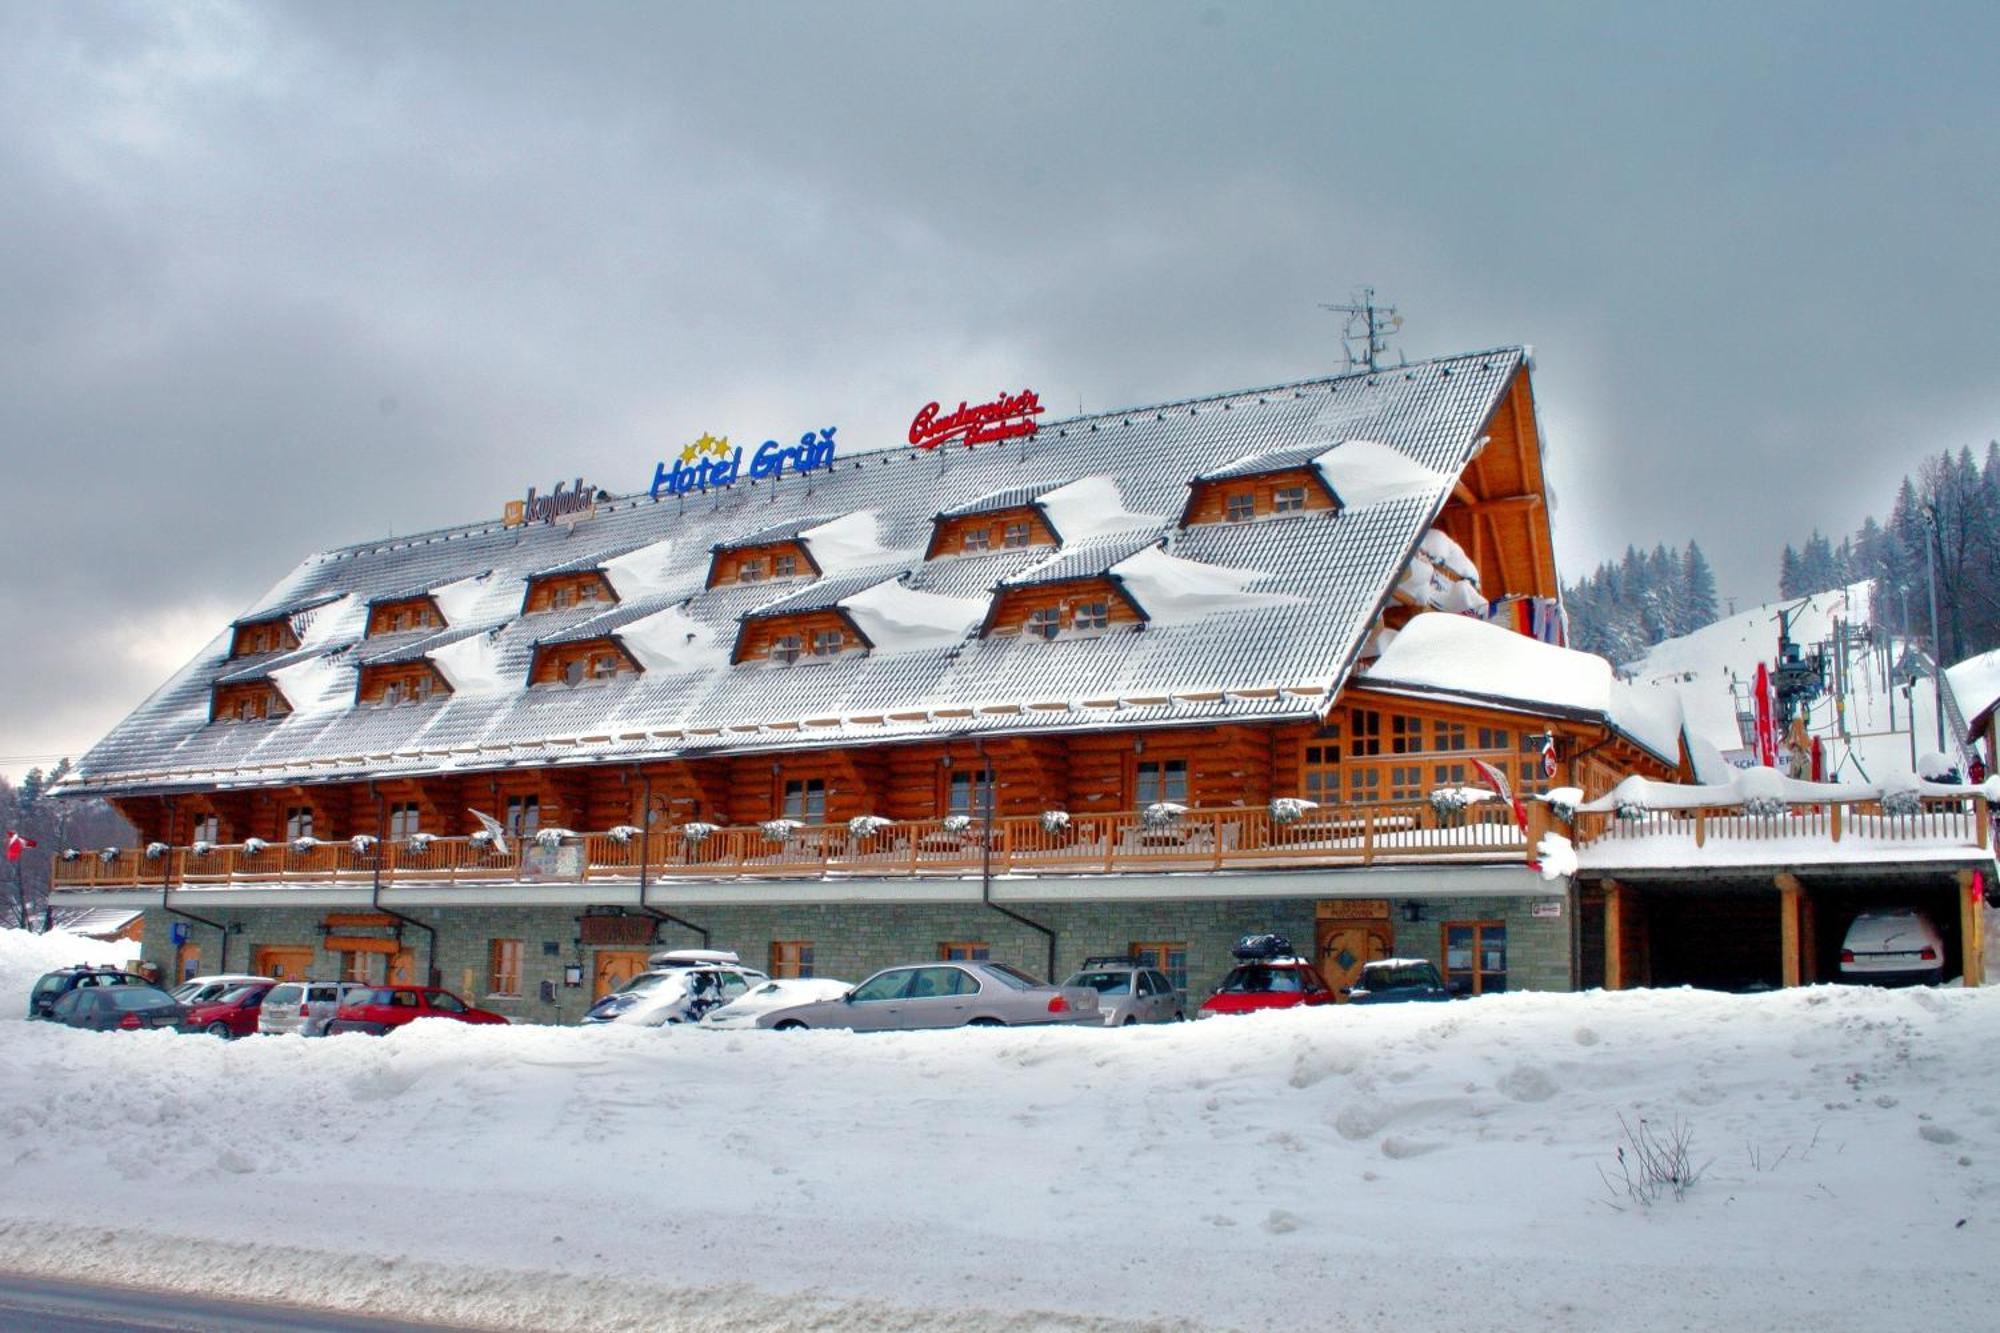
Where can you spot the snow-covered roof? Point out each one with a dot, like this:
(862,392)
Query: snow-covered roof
(1249,621)
(1476,660)
(1975,683)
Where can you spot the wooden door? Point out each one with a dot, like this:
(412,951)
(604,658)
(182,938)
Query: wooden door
(187,962)
(616,968)
(285,962)
(1343,946)
(403,968)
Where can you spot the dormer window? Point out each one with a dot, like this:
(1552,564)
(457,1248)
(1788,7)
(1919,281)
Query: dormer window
(597,666)
(1091,617)
(1257,489)
(403,616)
(1045,622)
(385,685)
(248,701)
(560,592)
(750,571)
(1084,607)
(785,649)
(1288,499)
(784,566)
(1010,522)
(1017,535)
(584,662)
(264,636)
(785,638)
(759,562)
(1240,507)
(827,642)
(977,539)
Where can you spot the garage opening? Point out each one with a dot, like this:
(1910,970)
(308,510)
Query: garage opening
(1834,908)
(1713,939)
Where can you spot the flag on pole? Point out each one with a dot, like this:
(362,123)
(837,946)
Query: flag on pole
(1499,783)
(1766,715)
(16,844)
(495,827)
(1549,755)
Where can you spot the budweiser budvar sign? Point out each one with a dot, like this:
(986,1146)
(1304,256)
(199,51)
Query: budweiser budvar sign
(1007,417)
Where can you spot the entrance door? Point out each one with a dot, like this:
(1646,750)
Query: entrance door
(1343,946)
(187,962)
(285,962)
(616,968)
(403,968)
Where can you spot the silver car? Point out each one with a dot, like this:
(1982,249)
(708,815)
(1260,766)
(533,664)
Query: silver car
(1130,992)
(942,995)
(304,1007)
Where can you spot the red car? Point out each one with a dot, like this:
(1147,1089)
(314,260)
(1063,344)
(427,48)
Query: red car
(230,1014)
(382,1009)
(1267,975)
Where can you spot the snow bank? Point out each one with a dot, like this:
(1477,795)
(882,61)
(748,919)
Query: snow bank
(1364,473)
(649,1179)
(847,542)
(471,666)
(460,600)
(643,573)
(318,684)
(1173,590)
(1460,655)
(25,956)
(673,640)
(1091,507)
(339,621)
(1448,554)
(897,618)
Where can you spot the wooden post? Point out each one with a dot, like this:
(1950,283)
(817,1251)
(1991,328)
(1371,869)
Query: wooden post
(1790,893)
(1982,814)
(1834,820)
(1614,935)
(1368,835)
(1538,825)
(1972,924)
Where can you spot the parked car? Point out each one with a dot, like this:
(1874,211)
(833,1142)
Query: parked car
(304,1007)
(942,995)
(200,990)
(665,992)
(54,985)
(782,993)
(230,1014)
(1268,974)
(117,1008)
(1896,947)
(1130,992)
(1398,981)
(380,1010)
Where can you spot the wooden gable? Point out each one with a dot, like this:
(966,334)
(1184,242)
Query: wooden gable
(557,592)
(1499,510)
(1000,529)
(760,563)
(1266,495)
(263,636)
(1079,607)
(582,662)
(402,614)
(247,701)
(386,683)
(761,638)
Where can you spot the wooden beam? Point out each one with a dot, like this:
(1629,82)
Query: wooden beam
(1972,926)
(1789,895)
(1505,502)
(1614,935)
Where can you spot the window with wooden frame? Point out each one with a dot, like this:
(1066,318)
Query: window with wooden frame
(1319,771)
(1168,956)
(1044,622)
(1475,957)
(1288,499)
(963,951)
(791,958)
(805,800)
(406,819)
(1155,780)
(248,701)
(784,565)
(786,648)
(559,592)
(1364,731)
(402,617)
(965,792)
(1406,782)
(263,636)
(205,828)
(385,685)
(504,967)
(976,539)
(363,966)
(298,822)
(828,642)
(1406,734)
(1239,506)
(581,662)
(1017,534)
(1364,784)
(750,571)
(524,816)
(1090,617)
(1448,734)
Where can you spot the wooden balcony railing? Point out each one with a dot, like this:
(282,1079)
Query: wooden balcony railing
(1103,844)
(1948,820)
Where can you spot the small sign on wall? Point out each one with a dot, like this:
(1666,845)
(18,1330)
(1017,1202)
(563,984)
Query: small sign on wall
(1549,907)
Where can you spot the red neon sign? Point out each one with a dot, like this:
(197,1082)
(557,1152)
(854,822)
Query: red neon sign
(1005,418)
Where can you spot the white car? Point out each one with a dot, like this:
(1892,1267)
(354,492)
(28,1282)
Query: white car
(200,990)
(679,986)
(780,994)
(1898,947)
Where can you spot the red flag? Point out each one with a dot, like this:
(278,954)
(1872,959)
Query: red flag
(1549,755)
(1499,784)
(1767,722)
(16,844)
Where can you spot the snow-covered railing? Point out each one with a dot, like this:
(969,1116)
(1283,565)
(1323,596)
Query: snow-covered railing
(954,845)
(1760,804)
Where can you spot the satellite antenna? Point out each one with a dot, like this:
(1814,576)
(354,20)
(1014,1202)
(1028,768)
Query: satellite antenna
(1365,336)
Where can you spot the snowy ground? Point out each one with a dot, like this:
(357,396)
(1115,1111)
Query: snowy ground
(1402,1167)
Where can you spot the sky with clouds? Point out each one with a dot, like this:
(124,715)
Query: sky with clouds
(281,277)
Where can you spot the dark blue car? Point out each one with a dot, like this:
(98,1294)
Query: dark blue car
(1398,981)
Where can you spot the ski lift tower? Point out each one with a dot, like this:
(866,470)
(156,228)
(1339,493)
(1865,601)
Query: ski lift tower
(1799,677)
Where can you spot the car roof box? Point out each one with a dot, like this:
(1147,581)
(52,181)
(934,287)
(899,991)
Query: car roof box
(686,957)
(1255,948)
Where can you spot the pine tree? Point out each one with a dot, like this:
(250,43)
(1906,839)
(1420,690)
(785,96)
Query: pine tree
(1698,583)
(1788,572)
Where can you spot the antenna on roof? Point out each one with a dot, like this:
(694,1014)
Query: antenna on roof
(1366,333)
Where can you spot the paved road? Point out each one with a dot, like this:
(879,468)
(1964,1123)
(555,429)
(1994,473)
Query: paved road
(42,1305)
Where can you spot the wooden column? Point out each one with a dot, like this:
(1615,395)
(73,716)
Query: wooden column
(1790,894)
(1972,927)
(1614,935)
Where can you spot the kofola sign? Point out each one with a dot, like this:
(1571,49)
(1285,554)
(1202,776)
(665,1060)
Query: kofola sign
(558,503)
(1008,416)
(710,461)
